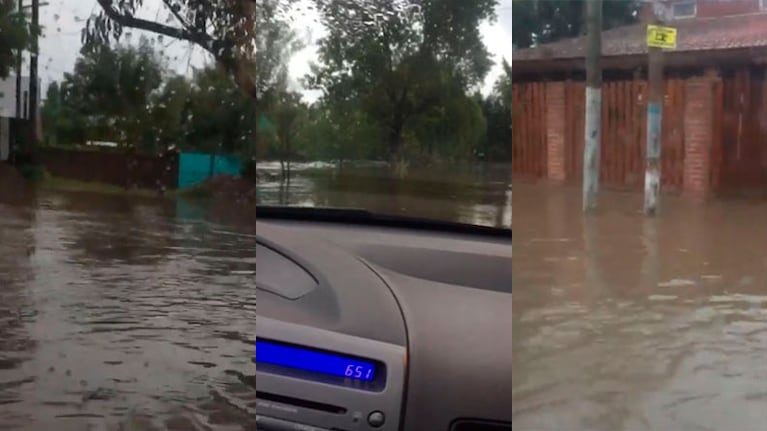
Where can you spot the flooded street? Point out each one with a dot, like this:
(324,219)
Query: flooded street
(479,194)
(628,323)
(119,313)
(132,313)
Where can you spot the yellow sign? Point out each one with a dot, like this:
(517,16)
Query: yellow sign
(661,37)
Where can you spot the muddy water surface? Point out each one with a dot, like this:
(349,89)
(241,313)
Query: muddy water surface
(625,323)
(121,314)
(476,194)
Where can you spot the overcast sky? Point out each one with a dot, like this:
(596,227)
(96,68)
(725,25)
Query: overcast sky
(63,19)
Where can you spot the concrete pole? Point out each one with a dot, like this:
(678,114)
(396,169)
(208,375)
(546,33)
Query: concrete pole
(33,84)
(19,58)
(652,177)
(593,124)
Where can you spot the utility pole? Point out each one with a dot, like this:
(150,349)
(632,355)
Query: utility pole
(33,81)
(19,58)
(652,179)
(593,126)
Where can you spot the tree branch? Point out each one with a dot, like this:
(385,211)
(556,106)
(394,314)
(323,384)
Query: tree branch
(202,39)
(176,14)
(218,48)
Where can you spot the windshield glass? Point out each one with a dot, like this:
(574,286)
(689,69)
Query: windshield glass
(400,107)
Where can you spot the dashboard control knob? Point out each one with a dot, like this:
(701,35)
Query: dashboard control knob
(376,419)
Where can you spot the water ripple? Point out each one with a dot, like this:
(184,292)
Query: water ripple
(123,319)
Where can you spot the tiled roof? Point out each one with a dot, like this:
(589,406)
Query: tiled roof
(741,31)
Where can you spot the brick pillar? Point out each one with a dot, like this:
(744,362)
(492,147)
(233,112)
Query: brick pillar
(555,131)
(698,136)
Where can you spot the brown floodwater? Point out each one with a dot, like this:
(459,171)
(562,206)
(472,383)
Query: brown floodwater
(128,313)
(124,314)
(627,323)
(476,194)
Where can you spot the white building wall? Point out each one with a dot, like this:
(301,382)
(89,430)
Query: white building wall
(8,96)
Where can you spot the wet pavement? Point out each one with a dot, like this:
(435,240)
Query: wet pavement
(121,314)
(627,323)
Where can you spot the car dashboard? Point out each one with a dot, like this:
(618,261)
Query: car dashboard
(382,328)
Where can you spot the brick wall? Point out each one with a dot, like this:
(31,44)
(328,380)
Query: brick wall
(529,130)
(555,131)
(698,133)
(690,159)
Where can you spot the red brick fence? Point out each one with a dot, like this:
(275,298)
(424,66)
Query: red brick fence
(714,132)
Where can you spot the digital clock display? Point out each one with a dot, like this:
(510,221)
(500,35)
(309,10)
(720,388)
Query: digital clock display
(300,358)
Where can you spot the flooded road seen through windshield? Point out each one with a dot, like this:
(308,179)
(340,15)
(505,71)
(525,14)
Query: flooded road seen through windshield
(628,323)
(477,194)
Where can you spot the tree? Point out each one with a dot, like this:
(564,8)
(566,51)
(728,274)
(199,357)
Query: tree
(224,28)
(275,43)
(287,113)
(14,35)
(169,115)
(107,96)
(496,107)
(338,132)
(503,86)
(219,117)
(496,143)
(451,32)
(542,21)
(397,60)
(51,113)
(451,128)
(126,94)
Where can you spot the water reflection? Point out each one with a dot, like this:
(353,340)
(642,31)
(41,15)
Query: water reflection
(16,343)
(124,319)
(478,194)
(625,323)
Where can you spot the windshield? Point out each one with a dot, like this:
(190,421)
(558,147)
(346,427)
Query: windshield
(398,107)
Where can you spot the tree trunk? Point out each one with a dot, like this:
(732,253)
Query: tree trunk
(287,151)
(243,76)
(397,161)
(395,142)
